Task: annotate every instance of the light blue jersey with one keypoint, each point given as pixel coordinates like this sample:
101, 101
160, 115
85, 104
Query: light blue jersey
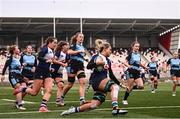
29, 60
134, 60
80, 56
174, 63
15, 65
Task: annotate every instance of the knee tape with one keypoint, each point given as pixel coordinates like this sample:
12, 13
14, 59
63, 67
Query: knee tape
81, 75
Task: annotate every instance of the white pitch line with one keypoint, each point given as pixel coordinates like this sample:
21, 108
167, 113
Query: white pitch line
28, 102
103, 109
9, 100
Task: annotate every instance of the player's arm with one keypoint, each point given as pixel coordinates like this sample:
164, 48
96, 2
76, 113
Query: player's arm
8, 62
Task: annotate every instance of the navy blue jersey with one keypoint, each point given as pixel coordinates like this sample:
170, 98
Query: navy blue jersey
174, 63
96, 68
79, 56
14, 65
61, 57
134, 59
45, 54
152, 66
101, 72
29, 60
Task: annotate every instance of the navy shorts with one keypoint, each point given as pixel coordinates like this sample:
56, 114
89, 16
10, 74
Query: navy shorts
28, 74
175, 73
153, 73
56, 75
71, 79
133, 73
41, 73
75, 66
96, 79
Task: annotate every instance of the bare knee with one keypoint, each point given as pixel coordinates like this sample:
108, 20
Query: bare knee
60, 84
114, 87
82, 83
34, 93
94, 105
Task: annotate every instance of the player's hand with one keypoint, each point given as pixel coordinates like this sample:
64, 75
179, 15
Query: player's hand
24, 64
64, 64
81, 51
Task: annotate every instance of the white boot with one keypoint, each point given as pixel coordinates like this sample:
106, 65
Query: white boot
69, 111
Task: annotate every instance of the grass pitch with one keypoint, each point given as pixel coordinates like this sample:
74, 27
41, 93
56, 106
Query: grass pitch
142, 104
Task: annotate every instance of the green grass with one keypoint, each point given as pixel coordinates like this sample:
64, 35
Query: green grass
142, 104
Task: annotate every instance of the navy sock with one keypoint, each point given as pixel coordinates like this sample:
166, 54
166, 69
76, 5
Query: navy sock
77, 109
126, 95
